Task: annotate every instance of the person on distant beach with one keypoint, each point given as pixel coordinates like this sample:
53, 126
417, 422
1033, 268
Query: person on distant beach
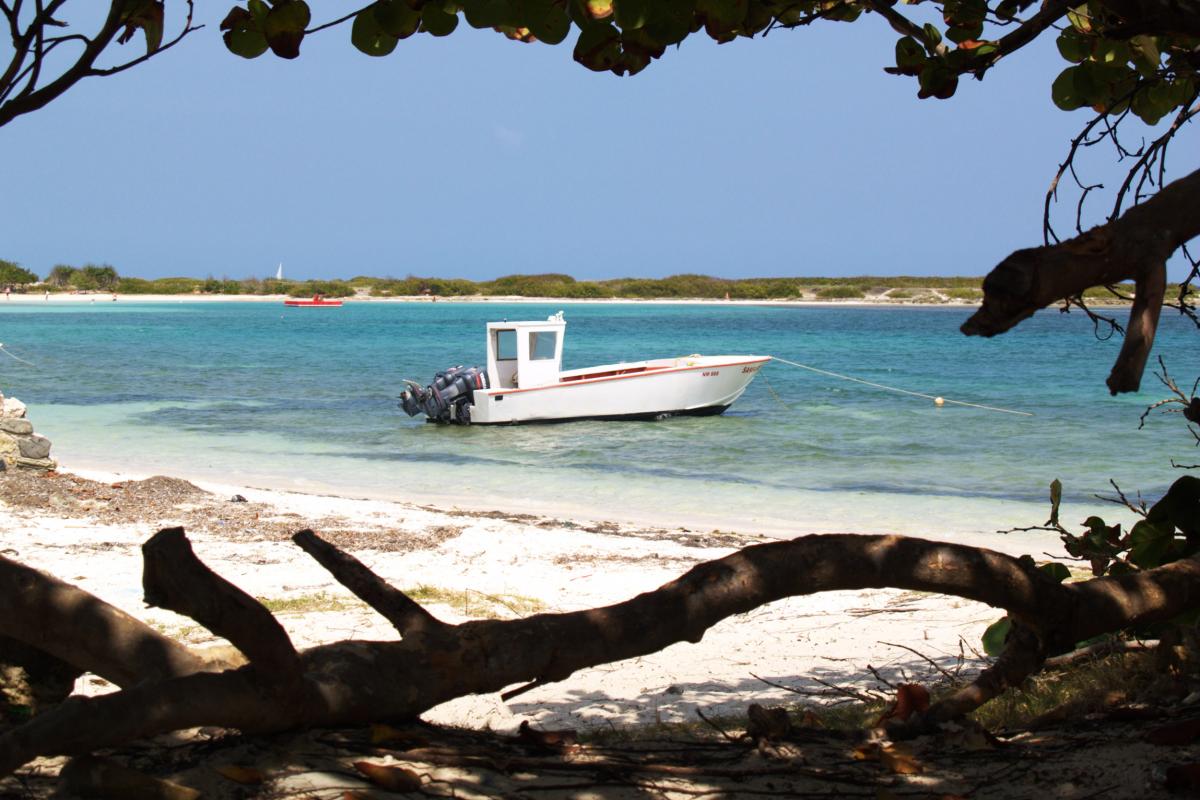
47, 295
8, 293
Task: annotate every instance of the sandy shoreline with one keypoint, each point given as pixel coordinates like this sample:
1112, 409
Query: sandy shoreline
465, 564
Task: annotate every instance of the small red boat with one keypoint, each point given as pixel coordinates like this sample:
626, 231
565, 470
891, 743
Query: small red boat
317, 300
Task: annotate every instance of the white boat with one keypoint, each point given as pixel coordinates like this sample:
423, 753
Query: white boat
524, 382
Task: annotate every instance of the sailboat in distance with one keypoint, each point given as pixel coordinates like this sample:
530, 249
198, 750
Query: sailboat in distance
279, 272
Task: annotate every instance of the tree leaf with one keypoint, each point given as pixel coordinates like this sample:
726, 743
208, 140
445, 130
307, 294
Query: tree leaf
1057, 572
396, 18
284, 27
369, 37
995, 636
436, 21
1150, 543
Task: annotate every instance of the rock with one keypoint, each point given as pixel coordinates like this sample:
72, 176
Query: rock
35, 463
10, 451
34, 446
22, 427
13, 408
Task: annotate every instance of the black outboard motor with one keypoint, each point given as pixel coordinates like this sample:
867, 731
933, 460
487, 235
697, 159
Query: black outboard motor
448, 398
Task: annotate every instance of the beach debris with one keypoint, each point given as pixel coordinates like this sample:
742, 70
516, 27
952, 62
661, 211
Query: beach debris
560, 740
237, 498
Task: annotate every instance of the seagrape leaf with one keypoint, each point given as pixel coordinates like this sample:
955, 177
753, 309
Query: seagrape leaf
1064, 92
937, 80
1150, 544
910, 56
396, 18
1073, 45
1180, 506
1079, 18
242, 35
489, 13
1056, 571
369, 37
147, 15
284, 27
631, 14
259, 10
598, 47
436, 21
721, 17
995, 636
546, 21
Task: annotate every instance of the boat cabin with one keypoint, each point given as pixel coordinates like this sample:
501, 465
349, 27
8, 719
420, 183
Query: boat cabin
525, 354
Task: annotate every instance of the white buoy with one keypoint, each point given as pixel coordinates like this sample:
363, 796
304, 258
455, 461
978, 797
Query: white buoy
937, 401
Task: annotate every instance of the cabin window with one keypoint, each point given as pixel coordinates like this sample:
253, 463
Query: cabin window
506, 345
542, 344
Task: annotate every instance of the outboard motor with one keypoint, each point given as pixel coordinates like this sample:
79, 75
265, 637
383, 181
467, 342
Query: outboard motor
448, 398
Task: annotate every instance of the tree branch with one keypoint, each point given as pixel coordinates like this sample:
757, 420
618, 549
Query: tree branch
1133, 247
80, 629
173, 578
405, 614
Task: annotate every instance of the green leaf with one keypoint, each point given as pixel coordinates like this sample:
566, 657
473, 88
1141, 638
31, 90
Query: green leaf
631, 14
1150, 544
553, 27
995, 636
1057, 572
284, 27
1079, 18
1073, 45
436, 21
937, 80
245, 43
910, 56
396, 18
598, 47
1180, 506
241, 34
932, 35
259, 10
369, 37
489, 13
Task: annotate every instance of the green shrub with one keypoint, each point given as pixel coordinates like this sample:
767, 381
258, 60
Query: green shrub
839, 292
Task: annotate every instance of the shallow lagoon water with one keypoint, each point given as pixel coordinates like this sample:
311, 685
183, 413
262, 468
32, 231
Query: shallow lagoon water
305, 399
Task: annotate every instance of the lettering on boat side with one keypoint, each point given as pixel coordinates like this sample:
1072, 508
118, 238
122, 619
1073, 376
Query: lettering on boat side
751, 369
710, 373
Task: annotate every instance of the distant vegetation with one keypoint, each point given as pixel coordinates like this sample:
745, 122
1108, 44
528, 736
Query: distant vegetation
104, 278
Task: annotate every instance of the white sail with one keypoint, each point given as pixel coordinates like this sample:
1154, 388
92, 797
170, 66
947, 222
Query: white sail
279, 272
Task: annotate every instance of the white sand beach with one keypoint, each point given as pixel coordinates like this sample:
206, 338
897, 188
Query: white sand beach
466, 564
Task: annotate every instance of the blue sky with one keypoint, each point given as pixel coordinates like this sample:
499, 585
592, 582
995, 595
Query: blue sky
472, 156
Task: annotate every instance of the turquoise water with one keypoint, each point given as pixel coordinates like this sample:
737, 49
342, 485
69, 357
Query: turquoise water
253, 394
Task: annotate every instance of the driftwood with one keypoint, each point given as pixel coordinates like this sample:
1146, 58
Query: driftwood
356, 682
1134, 247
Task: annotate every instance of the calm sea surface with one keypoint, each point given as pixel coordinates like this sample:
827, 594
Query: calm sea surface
305, 399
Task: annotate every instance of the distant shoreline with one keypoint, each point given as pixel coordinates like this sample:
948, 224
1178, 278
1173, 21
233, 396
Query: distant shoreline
107, 298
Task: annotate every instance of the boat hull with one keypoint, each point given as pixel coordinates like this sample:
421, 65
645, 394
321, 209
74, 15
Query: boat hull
692, 386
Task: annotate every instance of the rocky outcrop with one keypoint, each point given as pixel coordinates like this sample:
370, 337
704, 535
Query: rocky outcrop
20, 447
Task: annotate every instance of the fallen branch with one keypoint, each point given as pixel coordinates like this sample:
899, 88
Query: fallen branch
354, 682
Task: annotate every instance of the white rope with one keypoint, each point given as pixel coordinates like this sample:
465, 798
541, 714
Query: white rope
18, 358
901, 391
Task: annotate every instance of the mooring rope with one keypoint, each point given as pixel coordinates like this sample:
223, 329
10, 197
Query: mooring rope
938, 400
14, 355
